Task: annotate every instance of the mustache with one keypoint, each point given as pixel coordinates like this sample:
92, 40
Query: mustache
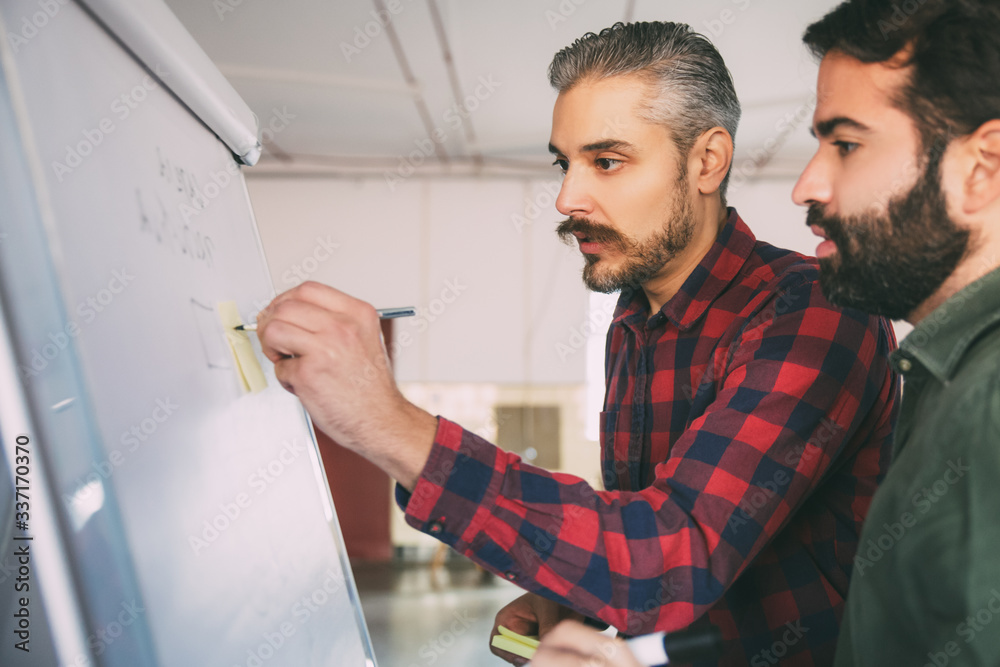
832, 225
595, 232
817, 217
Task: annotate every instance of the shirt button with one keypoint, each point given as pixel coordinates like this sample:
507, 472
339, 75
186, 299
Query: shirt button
905, 365
436, 528
511, 576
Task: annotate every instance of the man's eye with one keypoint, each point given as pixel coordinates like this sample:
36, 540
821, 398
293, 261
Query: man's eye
846, 147
562, 164
607, 163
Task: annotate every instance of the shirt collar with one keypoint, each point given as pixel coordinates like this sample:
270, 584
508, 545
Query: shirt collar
716, 270
941, 339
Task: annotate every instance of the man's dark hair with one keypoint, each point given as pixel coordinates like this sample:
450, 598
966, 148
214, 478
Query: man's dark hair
694, 90
953, 47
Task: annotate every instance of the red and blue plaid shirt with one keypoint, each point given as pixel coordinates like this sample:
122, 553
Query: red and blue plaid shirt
746, 427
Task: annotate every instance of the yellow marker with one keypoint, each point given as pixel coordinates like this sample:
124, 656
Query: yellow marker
510, 641
247, 367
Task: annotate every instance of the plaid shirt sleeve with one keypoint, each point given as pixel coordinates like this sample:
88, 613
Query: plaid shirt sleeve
797, 383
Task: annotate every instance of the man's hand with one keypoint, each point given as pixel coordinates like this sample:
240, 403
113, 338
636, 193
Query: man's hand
529, 615
327, 349
573, 644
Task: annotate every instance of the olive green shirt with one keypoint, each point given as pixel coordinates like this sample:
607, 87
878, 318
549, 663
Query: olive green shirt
926, 583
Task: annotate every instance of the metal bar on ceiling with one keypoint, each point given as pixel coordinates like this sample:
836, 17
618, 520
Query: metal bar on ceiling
404, 65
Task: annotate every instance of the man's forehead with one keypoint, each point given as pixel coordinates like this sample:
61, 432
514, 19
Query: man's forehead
598, 112
860, 92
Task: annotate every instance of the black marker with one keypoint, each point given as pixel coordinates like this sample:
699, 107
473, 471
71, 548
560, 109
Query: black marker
383, 313
661, 648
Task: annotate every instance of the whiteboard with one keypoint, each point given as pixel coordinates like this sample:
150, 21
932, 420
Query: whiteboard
183, 521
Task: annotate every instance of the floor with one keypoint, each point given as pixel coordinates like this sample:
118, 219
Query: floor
417, 619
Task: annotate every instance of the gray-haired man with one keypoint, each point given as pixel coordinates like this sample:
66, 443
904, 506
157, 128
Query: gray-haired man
747, 420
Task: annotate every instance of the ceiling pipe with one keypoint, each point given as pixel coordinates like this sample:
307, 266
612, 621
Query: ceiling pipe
456, 87
404, 65
316, 79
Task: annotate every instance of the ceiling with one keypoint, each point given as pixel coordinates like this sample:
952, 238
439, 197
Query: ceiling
338, 88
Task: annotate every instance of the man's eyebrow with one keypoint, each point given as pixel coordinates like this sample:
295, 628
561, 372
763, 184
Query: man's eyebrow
605, 145
825, 128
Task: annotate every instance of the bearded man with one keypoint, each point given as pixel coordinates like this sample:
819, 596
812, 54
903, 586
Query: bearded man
747, 421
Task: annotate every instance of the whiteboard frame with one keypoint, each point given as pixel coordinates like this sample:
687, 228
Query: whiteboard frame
158, 40
20, 414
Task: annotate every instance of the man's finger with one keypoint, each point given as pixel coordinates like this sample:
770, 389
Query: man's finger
285, 371
500, 653
571, 636
280, 340
507, 657
557, 657
518, 615
303, 314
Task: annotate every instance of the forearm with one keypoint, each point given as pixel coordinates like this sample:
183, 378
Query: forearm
555, 535
641, 561
404, 445
398, 443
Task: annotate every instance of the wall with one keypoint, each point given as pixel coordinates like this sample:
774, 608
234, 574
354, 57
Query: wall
496, 291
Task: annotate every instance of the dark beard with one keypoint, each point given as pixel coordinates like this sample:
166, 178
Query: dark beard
643, 259
888, 264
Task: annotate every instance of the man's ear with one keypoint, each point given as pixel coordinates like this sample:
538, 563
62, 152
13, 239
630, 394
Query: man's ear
711, 158
981, 187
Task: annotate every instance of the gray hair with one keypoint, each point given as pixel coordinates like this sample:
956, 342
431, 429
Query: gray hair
694, 89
